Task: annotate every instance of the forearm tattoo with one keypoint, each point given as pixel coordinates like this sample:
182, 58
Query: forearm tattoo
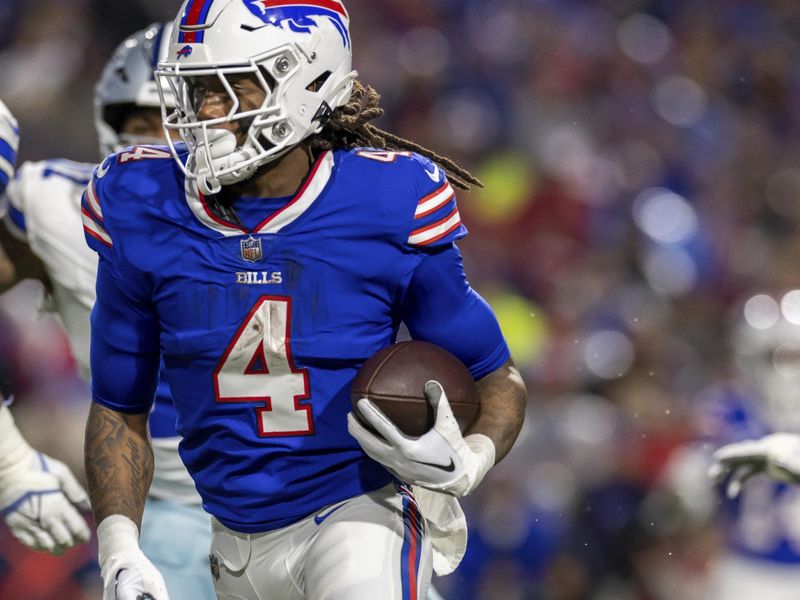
119, 463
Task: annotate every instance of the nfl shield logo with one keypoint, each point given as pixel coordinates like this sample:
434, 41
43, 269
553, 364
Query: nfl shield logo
251, 249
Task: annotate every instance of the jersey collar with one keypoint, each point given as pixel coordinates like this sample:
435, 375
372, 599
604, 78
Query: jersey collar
311, 190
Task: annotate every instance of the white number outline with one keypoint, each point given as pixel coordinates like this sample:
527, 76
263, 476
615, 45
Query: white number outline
276, 407
143, 153
384, 156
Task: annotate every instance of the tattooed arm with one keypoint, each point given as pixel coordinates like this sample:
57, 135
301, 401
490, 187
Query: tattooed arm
119, 463
119, 468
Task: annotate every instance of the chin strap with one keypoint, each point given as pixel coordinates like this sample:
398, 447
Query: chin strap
217, 152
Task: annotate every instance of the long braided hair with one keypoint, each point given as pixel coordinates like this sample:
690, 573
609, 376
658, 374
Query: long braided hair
349, 127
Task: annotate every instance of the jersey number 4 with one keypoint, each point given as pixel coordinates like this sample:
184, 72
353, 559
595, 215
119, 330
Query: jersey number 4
257, 367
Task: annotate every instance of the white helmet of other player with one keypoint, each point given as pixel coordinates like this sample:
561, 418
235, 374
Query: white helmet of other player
767, 349
299, 55
128, 82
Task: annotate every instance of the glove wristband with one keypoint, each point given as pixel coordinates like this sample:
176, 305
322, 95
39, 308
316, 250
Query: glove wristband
485, 452
15, 452
116, 534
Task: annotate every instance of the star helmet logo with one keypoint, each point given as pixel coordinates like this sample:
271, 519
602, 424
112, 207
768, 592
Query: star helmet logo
184, 52
301, 17
251, 249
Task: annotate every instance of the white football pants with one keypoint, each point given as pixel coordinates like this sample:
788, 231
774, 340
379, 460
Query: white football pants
175, 537
371, 547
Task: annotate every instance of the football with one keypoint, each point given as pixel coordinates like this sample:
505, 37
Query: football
394, 380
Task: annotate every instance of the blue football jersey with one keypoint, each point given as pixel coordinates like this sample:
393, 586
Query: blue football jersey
263, 326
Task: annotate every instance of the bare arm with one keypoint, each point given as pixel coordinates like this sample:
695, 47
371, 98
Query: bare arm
18, 262
119, 463
503, 399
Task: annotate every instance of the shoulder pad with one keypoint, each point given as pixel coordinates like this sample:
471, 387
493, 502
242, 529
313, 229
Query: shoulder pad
432, 213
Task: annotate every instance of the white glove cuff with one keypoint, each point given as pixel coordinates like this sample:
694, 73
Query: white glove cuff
15, 452
116, 535
485, 452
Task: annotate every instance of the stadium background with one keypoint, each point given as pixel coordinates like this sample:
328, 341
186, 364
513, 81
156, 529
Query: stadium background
642, 170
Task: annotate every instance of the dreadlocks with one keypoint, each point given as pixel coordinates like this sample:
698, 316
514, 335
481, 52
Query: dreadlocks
349, 127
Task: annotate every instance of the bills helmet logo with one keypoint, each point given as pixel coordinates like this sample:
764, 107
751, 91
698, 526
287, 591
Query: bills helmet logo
302, 16
184, 52
251, 249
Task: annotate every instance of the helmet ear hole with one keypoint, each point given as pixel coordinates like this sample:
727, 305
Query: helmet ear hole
317, 84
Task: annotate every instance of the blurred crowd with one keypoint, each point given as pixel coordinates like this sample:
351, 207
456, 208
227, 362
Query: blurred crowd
641, 162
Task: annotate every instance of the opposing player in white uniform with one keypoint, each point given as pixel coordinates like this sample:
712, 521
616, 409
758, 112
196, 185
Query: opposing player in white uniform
760, 555
44, 216
38, 494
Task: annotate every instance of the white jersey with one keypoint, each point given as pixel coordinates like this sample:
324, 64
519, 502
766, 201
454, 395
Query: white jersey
44, 210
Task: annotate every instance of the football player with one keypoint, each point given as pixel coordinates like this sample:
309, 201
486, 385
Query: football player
38, 494
762, 545
48, 243
266, 258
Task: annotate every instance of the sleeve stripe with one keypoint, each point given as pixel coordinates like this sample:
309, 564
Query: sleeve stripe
17, 217
8, 152
433, 202
12, 228
91, 227
91, 200
6, 167
436, 231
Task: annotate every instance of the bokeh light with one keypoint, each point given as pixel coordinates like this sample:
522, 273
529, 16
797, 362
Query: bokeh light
509, 181
665, 216
523, 323
670, 270
761, 311
644, 38
608, 354
679, 101
790, 306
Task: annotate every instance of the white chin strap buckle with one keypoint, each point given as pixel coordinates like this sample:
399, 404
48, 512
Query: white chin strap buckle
217, 152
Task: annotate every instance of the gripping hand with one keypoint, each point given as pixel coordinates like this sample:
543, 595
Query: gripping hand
38, 494
440, 460
38, 502
126, 571
777, 456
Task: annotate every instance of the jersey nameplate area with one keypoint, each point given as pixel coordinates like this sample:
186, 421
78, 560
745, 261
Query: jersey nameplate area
258, 277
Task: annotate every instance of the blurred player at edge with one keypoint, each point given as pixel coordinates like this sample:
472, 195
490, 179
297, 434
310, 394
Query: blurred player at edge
38, 494
775, 455
48, 243
281, 248
760, 553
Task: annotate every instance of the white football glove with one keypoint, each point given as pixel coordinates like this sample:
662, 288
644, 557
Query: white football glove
777, 456
9, 141
126, 571
441, 459
38, 494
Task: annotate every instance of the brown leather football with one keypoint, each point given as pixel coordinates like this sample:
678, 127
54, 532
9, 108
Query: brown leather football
394, 380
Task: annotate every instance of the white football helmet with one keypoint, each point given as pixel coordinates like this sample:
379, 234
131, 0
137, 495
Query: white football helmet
128, 82
767, 351
299, 54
